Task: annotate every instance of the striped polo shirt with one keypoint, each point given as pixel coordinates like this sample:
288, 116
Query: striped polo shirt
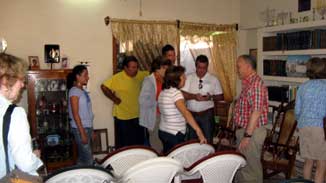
172, 121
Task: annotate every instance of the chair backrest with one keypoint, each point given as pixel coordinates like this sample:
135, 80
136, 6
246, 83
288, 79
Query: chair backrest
80, 175
156, 170
189, 152
218, 167
122, 159
100, 143
287, 127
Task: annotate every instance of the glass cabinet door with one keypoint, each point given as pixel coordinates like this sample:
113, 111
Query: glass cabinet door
48, 117
52, 121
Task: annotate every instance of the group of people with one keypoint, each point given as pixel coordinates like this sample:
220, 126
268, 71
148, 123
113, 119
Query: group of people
154, 108
166, 107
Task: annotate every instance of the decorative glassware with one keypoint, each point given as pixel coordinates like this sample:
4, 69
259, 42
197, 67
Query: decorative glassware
322, 12
281, 17
321, 8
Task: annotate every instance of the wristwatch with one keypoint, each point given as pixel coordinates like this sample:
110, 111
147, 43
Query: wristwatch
247, 135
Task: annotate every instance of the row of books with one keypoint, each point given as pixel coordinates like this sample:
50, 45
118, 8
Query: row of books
292, 92
310, 39
285, 93
274, 67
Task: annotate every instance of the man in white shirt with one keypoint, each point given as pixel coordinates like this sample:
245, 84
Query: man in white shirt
201, 90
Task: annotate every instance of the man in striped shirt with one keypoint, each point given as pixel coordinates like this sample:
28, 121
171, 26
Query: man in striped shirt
250, 116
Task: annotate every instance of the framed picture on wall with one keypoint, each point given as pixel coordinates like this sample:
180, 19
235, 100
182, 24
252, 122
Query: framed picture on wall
52, 53
304, 5
253, 53
34, 63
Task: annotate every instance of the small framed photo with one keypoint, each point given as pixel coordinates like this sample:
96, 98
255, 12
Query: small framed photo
64, 62
253, 53
34, 63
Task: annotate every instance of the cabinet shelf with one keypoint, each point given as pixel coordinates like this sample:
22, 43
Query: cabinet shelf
320, 24
295, 52
286, 79
282, 54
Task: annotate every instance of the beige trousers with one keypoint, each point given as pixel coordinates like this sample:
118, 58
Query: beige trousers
253, 171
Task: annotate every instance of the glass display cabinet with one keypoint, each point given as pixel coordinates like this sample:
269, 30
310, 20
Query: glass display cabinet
48, 117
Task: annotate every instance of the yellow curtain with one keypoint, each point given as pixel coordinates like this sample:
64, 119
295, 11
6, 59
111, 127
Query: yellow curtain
222, 41
224, 62
147, 37
201, 29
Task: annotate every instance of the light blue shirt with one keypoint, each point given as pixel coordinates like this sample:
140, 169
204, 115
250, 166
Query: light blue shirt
19, 142
310, 104
85, 108
148, 103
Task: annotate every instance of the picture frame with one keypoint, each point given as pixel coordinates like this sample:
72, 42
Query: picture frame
34, 62
304, 5
64, 62
52, 53
253, 53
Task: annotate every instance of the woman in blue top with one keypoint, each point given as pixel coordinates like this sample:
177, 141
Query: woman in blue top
81, 114
310, 109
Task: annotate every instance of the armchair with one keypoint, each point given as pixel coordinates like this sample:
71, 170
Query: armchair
218, 167
188, 153
80, 174
123, 158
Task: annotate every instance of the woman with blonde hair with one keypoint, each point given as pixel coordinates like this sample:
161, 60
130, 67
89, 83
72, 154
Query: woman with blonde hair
19, 148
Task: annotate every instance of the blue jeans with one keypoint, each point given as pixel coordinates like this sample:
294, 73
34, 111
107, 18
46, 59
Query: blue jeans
85, 155
169, 140
206, 123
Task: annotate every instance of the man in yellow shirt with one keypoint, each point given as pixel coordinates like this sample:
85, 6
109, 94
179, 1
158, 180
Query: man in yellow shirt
123, 89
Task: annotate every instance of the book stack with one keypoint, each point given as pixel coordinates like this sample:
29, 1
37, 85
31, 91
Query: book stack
270, 43
292, 93
300, 40
274, 67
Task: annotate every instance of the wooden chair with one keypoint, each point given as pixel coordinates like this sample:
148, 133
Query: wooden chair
280, 148
100, 142
226, 132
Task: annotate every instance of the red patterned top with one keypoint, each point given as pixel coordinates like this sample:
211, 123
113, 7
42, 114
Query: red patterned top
254, 96
159, 85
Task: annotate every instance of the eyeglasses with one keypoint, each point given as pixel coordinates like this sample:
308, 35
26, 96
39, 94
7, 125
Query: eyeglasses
200, 86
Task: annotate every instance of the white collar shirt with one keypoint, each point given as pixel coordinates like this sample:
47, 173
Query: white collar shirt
19, 142
209, 85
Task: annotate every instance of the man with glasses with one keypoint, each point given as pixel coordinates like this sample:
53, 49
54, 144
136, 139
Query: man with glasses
201, 90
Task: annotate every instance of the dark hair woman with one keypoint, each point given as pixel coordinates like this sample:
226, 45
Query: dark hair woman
174, 113
81, 114
149, 114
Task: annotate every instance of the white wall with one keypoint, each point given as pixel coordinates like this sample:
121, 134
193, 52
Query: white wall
78, 26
